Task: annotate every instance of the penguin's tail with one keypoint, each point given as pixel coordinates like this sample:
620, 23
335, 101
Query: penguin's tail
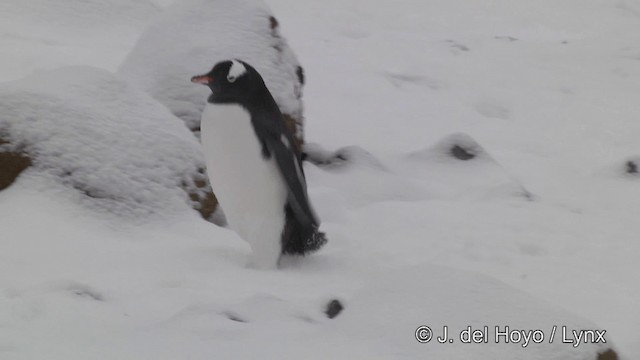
298, 239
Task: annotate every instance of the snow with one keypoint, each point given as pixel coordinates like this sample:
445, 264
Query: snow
164, 60
43, 34
93, 132
193, 297
538, 229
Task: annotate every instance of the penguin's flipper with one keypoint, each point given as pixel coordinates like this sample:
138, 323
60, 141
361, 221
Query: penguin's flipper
291, 170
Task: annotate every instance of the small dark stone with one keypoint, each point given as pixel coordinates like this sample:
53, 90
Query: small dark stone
607, 355
273, 22
300, 74
632, 167
461, 153
334, 308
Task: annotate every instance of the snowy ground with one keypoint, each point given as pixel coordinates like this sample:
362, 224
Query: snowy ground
548, 89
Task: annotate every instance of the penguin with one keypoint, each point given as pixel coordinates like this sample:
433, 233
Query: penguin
254, 167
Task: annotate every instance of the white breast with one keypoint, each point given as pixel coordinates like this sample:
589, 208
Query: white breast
249, 187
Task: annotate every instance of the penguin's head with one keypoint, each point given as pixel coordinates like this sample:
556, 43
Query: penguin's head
230, 81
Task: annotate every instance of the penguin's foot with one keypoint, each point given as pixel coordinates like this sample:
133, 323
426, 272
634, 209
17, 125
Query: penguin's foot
304, 245
317, 240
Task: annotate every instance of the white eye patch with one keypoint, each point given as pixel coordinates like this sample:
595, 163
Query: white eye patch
235, 71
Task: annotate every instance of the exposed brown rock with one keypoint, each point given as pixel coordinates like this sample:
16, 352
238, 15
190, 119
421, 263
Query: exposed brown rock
12, 164
294, 126
202, 198
273, 22
607, 355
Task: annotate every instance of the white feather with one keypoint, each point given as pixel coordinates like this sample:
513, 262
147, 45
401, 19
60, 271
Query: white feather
236, 69
249, 188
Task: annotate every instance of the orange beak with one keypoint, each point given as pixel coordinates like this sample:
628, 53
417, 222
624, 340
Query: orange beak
202, 79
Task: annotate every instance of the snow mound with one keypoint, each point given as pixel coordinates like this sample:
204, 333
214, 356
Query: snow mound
193, 35
45, 34
85, 128
352, 176
344, 157
457, 166
381, 318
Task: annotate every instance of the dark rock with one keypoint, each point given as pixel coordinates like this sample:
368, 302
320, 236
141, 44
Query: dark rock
452, 148
202, 198
294, 125
632, 167
609, 354
461, 153
12, 164
300, 73
273, 22
334, 308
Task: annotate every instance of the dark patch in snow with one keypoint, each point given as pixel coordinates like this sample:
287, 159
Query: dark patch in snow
334, 308
508, 38
527, 195
461, 153
234, 317
632, 167
457, 47
86, 292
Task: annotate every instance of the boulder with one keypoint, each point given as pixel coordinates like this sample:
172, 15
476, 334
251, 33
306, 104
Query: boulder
91, 132
192, 35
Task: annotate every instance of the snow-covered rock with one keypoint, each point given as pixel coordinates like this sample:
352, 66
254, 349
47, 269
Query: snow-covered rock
341, 158
457, 166
92, 132
193, 35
